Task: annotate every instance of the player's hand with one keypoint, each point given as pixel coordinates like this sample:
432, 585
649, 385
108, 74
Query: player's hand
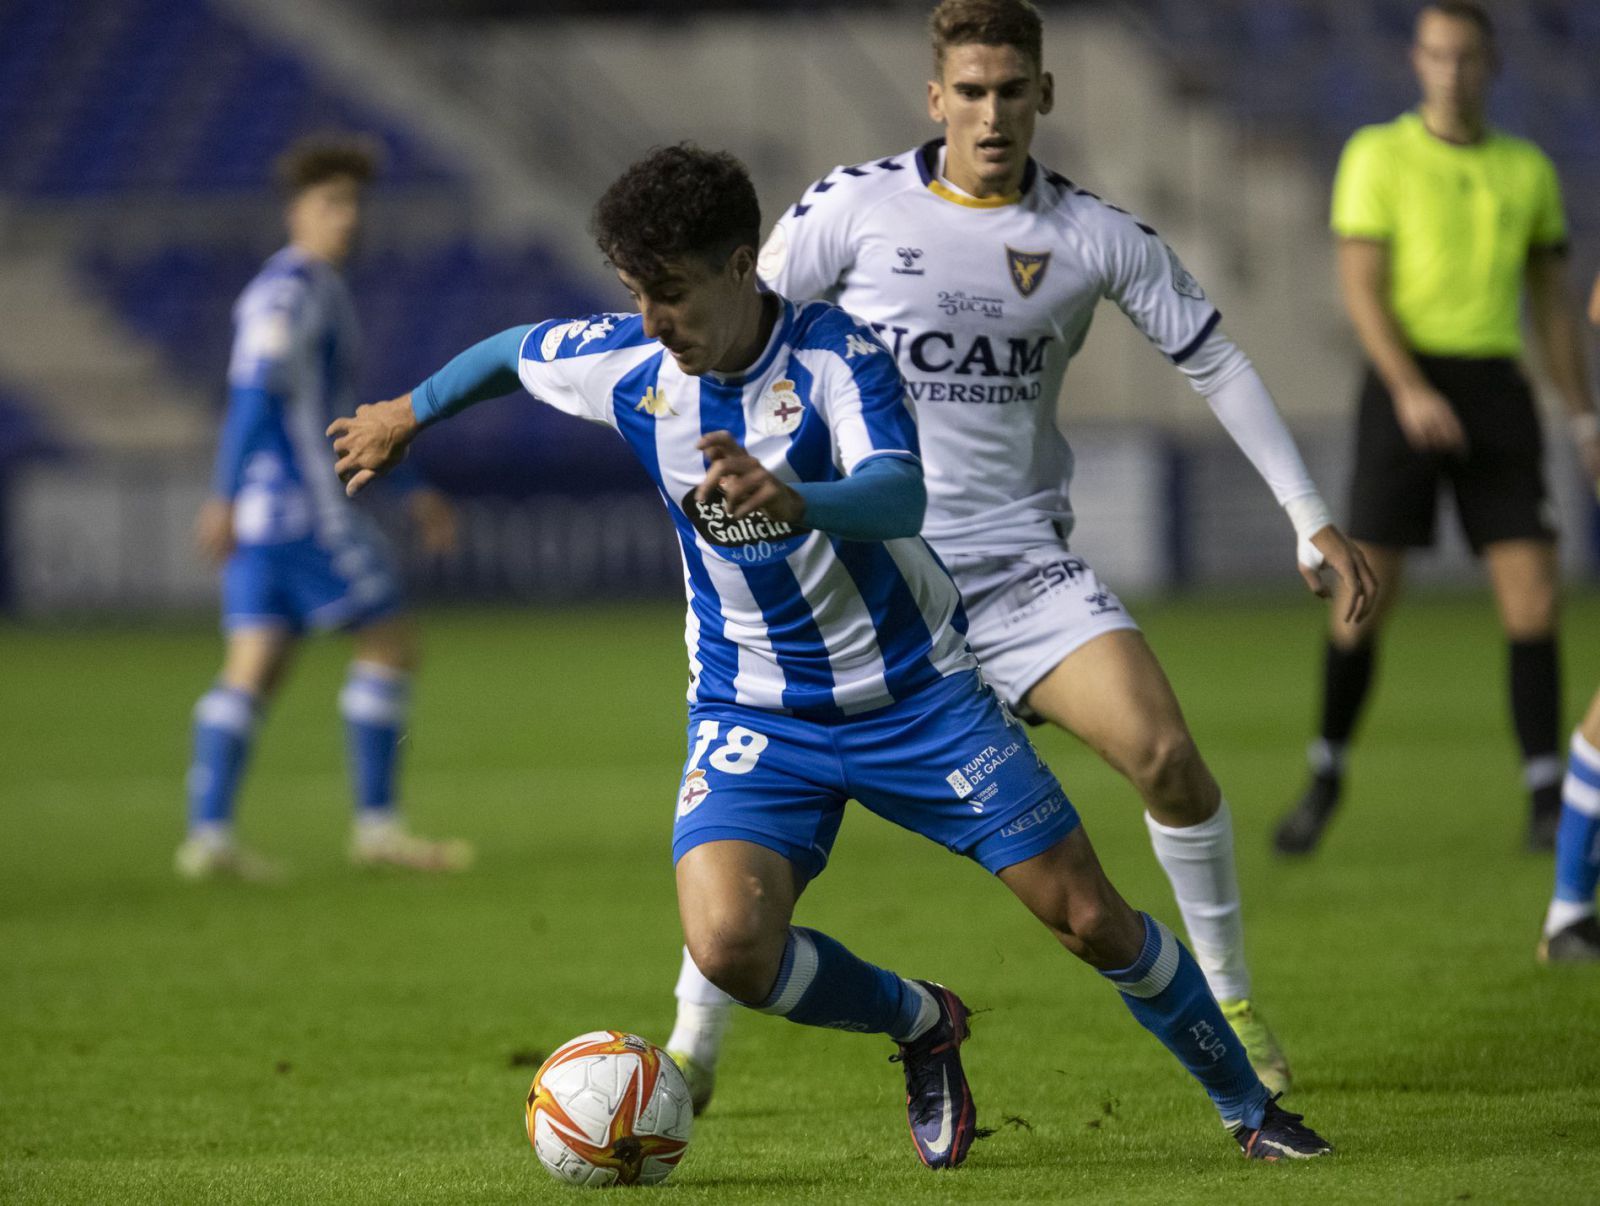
437, 524
372, 441
1337, 552
746, 483
213, 530
1429, 423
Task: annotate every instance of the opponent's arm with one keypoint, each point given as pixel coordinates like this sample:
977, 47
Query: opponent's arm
1427, 420
883, 499
1221, 371
1561, 345
375, 439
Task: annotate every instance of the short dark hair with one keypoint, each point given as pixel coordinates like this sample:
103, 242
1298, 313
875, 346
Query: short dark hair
323, 157
677, 201
1463, 10
1012, 23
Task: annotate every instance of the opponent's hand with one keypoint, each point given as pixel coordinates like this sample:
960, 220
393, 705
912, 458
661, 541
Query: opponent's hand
745, 482
1427, 420
373, 441
436, 521
213, 530
1335, 551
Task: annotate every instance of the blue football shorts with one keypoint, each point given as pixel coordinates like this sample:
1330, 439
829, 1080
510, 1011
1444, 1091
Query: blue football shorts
304, 584
949, 763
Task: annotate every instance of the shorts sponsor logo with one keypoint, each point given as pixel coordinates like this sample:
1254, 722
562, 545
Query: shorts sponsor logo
958, 781
1036, 816
754, 539
975, 773
1101, 602
960, 302
694, 790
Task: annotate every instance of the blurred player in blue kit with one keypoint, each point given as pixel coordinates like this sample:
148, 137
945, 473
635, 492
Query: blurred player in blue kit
982, 270
826, 644
296, 555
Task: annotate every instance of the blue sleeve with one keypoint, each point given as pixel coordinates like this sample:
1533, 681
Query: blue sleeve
249, 408
882, 500
485, 370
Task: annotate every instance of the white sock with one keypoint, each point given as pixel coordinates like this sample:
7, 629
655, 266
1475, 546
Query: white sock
1198, 861
1563, 913
1326, 757
704, 1011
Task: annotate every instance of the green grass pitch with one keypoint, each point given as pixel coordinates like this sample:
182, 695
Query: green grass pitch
356, 1038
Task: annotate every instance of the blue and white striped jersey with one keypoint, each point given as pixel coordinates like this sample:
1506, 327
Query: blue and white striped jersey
291, 373
778, 618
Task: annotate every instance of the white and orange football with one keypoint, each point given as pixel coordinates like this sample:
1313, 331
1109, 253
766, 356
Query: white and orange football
609, 1108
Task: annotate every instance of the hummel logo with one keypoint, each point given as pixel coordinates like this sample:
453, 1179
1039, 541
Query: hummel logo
860, 345
655, 404
940, 1143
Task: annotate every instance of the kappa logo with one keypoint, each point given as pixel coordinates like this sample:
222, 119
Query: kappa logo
693, 793
1027, 269
597, 330
781, 408
655, 404
908, 261
860, 345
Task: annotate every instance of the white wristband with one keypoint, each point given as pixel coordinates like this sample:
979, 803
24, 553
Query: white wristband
1585, 426
1309, 514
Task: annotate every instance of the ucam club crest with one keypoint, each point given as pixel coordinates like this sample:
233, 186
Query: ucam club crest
1027, 269
780, 410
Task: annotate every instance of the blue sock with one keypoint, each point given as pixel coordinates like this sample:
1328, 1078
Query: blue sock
224, 723
374, 703
822, 984
1165, 990
1578, 836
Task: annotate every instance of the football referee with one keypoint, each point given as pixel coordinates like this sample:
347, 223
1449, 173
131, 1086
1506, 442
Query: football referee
1442, 222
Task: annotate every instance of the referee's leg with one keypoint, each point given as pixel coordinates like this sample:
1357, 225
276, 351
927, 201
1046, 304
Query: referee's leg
1525, 578
1346, 681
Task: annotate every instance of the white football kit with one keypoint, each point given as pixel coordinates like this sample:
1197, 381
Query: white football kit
983, 302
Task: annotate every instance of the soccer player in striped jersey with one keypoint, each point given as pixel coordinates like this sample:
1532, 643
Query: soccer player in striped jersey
981, 270
296, 555
826, 651
1571, 930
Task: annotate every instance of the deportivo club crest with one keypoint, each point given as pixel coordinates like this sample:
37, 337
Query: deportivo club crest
780, 408
1027, 269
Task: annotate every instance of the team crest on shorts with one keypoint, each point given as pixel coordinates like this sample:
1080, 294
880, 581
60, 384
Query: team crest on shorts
694, 790
780, 409
1027, 269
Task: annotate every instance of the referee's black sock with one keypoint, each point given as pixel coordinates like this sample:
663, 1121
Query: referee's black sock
1346, 678
1536, 713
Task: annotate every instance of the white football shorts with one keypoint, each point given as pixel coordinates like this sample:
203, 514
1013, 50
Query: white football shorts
1027, 612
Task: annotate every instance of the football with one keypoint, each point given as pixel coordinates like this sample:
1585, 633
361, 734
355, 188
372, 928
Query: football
609, 1108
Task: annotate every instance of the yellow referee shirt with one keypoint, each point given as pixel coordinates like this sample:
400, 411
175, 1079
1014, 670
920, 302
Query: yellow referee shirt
1459, 221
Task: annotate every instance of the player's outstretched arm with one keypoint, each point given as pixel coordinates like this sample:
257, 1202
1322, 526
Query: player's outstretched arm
375, 440
372, 441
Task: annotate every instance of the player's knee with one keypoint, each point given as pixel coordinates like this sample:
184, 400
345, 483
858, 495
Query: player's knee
1169, 772
741, 959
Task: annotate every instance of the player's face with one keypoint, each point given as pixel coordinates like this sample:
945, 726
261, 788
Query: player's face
325, 218
987, 98
700, 313
1453, 62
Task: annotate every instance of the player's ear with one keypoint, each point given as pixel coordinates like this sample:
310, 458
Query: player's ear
742, 264
936, 101
1047, 92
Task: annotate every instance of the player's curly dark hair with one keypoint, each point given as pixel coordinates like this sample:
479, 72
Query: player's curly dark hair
1013, 23
677, 201
319, 158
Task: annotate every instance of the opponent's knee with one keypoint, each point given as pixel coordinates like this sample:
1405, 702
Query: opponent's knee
1169, 772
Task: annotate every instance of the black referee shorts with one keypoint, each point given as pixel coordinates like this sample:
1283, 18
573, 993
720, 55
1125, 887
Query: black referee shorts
1498, 483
